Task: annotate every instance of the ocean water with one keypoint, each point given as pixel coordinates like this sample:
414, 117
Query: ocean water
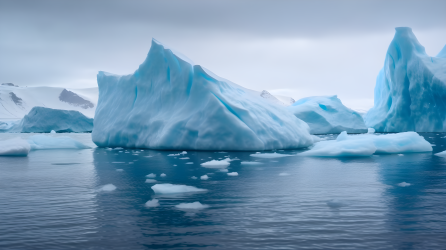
52, 199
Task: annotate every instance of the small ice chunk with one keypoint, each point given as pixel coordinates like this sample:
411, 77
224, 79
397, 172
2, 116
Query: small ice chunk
189, 163
52, 132
173, 154
119, 170
223, 170
233, 174
172, 189
163, 175
174, 165
284, 174
108, 188
184, 158
152, 175
404, 184
152, 203
250, 163
150, 181
183, 153
194, 205
370, 131
269, 155
216, 163
204, 177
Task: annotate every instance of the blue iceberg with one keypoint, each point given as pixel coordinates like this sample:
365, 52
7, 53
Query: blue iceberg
43, 120
327, 115
410, 90
171, 103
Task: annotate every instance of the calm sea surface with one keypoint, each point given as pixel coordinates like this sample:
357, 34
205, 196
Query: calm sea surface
52, 200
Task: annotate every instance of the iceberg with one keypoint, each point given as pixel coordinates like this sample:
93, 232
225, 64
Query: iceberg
14, 147
369, 144
410, 89
327, 115
170, 103
38, 142
45, 120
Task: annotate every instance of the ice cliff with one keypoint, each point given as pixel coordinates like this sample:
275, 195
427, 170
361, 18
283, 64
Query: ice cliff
410, 90
171, 103
327, 115
43, 120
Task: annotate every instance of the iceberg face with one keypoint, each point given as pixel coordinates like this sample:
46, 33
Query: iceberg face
327, 115
45, 120
369, 144
170, 103
411, 88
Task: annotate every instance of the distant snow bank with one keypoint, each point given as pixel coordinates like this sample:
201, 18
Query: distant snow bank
369, 144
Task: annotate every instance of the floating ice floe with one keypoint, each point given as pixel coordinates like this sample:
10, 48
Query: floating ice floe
152, 175
233, 174
152, 203
204, 177
442, 154
108, 188
163, 175
216, 163
14, 147
369, 144
270, 155
168, 188
194, 205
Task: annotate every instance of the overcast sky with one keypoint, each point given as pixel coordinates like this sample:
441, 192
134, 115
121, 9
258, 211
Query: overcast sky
295, 48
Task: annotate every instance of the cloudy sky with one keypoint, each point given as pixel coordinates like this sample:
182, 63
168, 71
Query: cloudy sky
295, 48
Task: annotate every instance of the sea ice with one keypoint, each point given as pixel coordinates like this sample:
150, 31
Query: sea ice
168, 188
49, 142
152, 203
216, 163
170, 103
233, 174
108, 188
327, 115
410, 89
369, 144
194, 205
269, 155
14, 147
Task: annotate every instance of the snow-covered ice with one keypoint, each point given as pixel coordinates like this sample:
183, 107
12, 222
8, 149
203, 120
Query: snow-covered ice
45, 120
168, 188
171, 103
233, 174
327, 115
410, 89
270, 155
216, 163
369, 144
108, 188
152, 203
14, 147
194, 205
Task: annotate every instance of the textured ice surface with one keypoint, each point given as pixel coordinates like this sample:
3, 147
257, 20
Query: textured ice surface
14, 147
60, 142
44, 120
327, 115
170, 103
369, 144
410, 89
193, 205
172, 189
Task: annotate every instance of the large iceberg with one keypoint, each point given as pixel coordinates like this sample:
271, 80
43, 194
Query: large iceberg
410, 90
171, 103
43, 120
369, 144
327, 115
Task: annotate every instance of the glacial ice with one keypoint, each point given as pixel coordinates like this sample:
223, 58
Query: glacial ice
369, 144
14, 147
45, 120
171, 103
327, 115
410, 89
60, 142
168, 188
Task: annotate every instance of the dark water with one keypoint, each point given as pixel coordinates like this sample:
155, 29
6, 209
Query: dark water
51, 200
